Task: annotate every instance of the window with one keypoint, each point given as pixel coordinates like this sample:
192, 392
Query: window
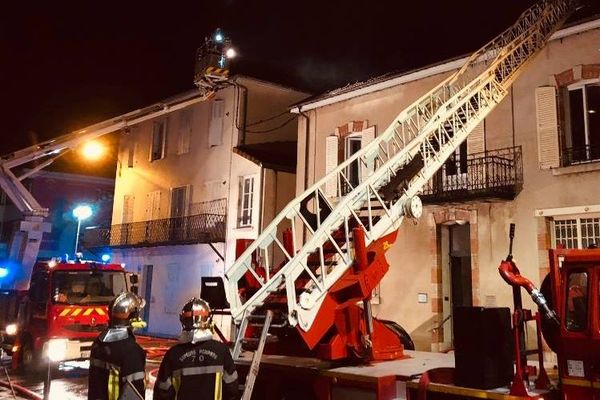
245, 201
157, 150
577, 233
215, 129
178, 201
577, 299
353, 145
581, 111
185, 131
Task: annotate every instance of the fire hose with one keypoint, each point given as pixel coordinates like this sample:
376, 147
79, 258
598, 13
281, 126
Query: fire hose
20, 390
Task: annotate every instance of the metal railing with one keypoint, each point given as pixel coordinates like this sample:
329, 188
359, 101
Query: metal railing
198, 228
580, 155
490, 174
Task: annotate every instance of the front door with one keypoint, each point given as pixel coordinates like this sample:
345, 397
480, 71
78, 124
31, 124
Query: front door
147, 277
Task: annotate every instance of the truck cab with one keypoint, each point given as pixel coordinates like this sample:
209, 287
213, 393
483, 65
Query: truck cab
66, 300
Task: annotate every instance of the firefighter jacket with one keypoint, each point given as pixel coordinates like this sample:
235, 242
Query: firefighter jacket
115, 359
203, 370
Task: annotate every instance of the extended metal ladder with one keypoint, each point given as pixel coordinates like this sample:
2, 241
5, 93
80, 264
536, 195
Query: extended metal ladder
400, 162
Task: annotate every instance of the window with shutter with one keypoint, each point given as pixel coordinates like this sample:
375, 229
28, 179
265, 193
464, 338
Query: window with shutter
128, 201
153, 205
159, 136
185, 131
581, 110
547, 127
331, 161
246, 200
215, 130
476, 139
367, 136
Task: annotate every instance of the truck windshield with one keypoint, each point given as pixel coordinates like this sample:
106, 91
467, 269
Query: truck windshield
87, 287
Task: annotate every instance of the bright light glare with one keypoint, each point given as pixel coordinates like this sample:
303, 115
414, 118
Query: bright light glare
218, 37
3, 272
93, 150
57, 349
82, 212
11, 329
105, 257
230, 53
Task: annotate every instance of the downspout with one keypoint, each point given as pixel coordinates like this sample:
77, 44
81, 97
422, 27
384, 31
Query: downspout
306, 155
242, 128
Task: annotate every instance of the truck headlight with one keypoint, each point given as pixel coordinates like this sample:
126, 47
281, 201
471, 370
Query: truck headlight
56, 349
11, 329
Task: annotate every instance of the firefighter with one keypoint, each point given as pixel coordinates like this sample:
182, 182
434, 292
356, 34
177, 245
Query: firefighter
115, 356
198, 367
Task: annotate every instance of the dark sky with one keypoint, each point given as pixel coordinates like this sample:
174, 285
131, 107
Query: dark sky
67, 64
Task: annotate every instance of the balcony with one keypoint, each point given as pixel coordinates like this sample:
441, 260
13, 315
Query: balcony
580, 155
496, 174
206, 225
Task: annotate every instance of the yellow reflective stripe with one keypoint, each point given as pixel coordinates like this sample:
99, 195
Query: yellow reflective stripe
100, 311
218, 383
64, 312
176, 382
576, 382
76, 312
113, 384
88, 312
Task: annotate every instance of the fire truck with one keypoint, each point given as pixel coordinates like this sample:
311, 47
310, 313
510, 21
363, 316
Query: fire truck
66, 302
301, 291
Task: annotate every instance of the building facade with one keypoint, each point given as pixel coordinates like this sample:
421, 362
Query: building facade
533, 162
61, 192
190, 186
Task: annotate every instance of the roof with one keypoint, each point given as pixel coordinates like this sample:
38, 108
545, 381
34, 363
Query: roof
279, 156
397, 78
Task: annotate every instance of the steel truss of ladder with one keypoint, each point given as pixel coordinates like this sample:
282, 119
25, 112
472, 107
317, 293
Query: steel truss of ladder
405, 156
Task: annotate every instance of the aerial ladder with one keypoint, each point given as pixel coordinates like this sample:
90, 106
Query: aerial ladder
211, 73
317, 285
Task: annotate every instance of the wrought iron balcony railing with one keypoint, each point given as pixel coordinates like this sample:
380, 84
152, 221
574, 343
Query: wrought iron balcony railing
199, 228
490, 174
580, 155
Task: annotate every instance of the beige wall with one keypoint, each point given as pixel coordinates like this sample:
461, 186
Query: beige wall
415, 262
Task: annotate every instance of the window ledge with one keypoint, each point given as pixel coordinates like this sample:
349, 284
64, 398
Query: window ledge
576, 169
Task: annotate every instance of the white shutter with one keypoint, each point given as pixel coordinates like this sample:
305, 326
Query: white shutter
331, 161
153, 205
127, 216
367, 136
476, 139
215, 130
547, 127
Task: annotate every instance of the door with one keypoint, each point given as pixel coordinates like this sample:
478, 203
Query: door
147, 277
457, 288
178, 207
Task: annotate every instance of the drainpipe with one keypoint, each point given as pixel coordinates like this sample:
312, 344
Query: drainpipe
239, 87
306, 155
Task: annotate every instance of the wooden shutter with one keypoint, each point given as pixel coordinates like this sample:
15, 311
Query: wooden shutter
331, 161
128, 201
367, 136
547, 127
215, 130
476, 139
153, 205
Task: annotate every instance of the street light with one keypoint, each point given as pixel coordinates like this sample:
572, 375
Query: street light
81, 212
93, 150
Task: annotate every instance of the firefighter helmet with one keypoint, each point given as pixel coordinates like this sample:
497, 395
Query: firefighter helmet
195, 314
124, 310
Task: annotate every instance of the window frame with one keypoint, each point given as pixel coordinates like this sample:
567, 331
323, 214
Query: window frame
242, 221
578, 228
163, 140
565, 109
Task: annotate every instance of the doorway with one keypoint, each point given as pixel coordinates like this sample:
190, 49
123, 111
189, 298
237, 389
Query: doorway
147, 280
457, 289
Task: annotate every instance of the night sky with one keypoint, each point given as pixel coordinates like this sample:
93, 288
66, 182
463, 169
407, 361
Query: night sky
67, 64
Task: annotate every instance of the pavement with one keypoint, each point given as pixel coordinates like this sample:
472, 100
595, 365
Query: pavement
69, 379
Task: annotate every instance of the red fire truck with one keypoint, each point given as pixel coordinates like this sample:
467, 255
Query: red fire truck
67, 301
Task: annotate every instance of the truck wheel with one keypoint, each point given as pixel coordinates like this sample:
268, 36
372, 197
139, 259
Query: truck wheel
29, 358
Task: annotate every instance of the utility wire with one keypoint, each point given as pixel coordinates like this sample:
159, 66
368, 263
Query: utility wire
276, 127
268, 119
